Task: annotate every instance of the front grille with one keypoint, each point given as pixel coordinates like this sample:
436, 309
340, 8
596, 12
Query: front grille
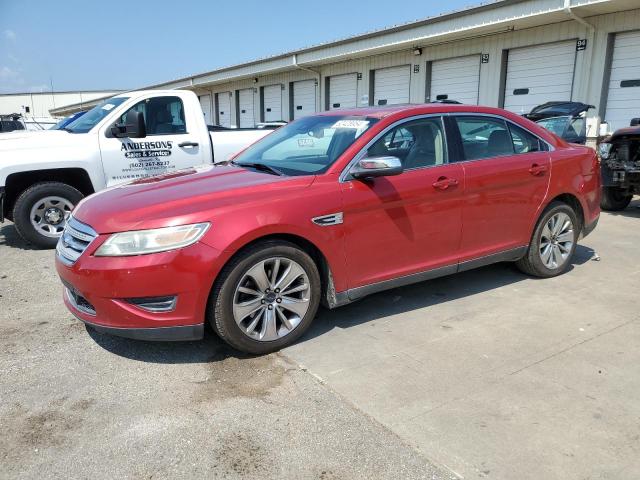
75, 239
79, 302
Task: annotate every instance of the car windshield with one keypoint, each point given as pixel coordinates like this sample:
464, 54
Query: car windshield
90, 119
555, 125
66, 121
307, 146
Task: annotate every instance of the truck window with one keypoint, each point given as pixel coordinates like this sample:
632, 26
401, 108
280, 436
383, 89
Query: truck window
162, 115
94, 116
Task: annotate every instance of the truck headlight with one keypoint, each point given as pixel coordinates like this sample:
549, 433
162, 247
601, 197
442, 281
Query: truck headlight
604, 149
140, 242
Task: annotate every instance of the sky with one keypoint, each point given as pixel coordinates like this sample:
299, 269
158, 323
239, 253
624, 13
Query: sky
90, 45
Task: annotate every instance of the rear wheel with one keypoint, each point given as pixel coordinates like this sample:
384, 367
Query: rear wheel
553, 242
41, 212
613, 199
265, 298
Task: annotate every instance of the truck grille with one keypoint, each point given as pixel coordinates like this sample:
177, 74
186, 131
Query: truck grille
75, 239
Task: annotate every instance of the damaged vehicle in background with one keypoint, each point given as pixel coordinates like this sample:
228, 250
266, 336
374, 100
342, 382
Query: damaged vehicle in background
620, 167
566, 119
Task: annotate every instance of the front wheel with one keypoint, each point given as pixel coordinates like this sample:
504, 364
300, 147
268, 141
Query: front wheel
553, 242
265, 298
41, 212
614, 199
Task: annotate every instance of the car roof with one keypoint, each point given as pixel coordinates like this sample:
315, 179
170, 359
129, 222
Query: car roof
413, 109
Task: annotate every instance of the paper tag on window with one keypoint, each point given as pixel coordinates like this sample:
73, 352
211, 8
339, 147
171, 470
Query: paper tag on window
355, 124
107, 107
305, 142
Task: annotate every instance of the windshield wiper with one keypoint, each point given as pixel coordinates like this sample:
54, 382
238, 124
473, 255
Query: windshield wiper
263, 167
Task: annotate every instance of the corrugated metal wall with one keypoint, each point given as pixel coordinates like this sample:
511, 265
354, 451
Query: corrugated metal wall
588, 79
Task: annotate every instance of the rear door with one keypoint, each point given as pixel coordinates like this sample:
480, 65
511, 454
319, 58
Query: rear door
343, 91
409, 223
623, 100
173, 142
304, 98
506, 171
223, 102
272, 103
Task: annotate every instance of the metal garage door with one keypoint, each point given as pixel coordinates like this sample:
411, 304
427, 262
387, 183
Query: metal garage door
391, 85
224, 108
272, 103
304, 98
539, 74
343, 91
456, 79
205, 103
623, 100
245, 108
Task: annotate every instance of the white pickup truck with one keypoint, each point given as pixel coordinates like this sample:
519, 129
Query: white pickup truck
43, 175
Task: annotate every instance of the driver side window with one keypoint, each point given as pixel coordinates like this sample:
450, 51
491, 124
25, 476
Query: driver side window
162, 115
417, 143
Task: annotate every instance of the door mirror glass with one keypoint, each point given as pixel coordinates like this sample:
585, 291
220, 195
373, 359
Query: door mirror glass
133, 126
370, 167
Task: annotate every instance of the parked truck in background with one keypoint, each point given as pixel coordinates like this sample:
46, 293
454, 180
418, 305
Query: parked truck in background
43, 175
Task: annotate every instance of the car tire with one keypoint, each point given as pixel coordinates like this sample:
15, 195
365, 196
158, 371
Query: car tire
56, 200
553, 242
614, 200
276, 327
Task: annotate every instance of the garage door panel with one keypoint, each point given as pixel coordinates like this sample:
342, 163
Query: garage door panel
245, 107
224, 109
544, 71
205, 104
391, 85
304, 98
623, 102
456, 79
343, 91
272, 103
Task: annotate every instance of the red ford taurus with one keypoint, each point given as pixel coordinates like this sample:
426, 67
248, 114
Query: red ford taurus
327, 209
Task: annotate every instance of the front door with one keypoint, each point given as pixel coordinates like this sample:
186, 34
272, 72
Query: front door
171, 143
506, 171
409, 223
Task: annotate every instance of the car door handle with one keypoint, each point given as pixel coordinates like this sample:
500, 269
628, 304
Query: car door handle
444, 182
188, 144
537, 170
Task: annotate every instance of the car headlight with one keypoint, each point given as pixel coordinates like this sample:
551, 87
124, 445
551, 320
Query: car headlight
140, 242
605, 150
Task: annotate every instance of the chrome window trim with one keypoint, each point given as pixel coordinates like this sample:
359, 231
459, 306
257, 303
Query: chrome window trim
344, 175
550, 147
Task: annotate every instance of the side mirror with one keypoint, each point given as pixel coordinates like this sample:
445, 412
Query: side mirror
634, 122
133, 126
370, 167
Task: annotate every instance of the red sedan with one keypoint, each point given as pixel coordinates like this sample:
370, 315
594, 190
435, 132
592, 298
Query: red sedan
327, 209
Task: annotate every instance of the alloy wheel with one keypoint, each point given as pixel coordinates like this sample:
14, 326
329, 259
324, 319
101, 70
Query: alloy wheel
271, 299
556, 242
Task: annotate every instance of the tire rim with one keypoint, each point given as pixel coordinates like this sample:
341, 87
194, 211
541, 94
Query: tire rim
49, 215
271, 299
556, 241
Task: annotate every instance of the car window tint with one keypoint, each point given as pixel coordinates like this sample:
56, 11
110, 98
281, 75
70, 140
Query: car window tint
484, 137
417, 143
523, 141
162, 115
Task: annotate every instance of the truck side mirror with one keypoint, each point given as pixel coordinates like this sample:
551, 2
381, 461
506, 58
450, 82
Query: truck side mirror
634, 122
133, 126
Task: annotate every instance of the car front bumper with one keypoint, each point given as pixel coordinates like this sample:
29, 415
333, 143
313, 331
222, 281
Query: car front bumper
120, 295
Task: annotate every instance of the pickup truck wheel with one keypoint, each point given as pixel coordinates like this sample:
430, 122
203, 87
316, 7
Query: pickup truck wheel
613, 199
41, 212
553, 242
265, 298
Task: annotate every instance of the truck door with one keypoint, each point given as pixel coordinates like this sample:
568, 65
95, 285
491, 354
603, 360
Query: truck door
172, 142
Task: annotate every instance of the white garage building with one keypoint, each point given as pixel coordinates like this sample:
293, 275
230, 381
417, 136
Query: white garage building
510, 53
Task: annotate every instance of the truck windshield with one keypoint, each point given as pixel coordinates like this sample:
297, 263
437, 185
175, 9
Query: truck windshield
307, 146
90, 119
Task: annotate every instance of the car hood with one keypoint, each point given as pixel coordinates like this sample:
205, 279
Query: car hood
26, 139
187, 196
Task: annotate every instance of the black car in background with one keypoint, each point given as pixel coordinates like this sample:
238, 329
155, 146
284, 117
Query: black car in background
565, 119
